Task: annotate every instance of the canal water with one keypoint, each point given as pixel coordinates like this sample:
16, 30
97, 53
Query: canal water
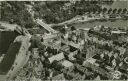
9, 58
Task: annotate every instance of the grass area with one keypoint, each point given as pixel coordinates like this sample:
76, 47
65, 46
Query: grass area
117, 23
118, 4
2, 77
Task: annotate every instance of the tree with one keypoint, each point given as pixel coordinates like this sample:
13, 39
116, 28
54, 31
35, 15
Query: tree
100, 10
51, 12
124, 10
104, 10
114, 11
110, 10
119, 11
16, 12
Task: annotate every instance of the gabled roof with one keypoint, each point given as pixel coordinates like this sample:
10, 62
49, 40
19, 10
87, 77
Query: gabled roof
57, 57
66, 63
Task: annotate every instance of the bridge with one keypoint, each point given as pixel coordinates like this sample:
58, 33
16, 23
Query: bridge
45, 26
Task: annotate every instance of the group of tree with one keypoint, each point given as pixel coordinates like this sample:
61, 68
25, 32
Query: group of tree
114, 11
16, 12
49, 11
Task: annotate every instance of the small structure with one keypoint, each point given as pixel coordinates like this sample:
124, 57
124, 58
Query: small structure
65, 48
35, 52
117, 75
126, 60
97, 78
72, 54
90, 60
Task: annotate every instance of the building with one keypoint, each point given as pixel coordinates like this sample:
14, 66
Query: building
67, 64
57, 57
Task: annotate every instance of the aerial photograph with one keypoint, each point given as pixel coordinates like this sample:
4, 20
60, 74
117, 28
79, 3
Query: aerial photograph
70, 40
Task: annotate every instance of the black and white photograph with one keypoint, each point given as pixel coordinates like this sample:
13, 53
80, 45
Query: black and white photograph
70, 40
